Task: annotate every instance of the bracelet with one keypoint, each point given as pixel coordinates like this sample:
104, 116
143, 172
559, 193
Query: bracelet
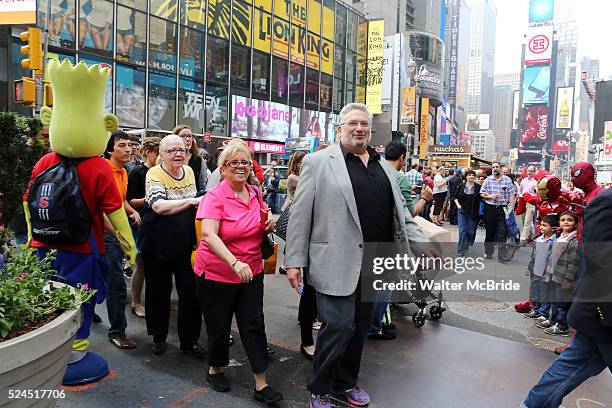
234, 264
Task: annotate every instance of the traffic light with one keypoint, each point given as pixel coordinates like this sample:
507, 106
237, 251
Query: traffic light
33, 50
25, 91
48, 94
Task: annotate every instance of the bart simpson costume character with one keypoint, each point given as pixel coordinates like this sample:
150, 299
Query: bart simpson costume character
79, 129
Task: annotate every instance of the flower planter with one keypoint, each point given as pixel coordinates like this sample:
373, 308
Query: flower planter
37, 361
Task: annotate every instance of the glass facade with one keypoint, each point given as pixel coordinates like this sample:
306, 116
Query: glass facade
187, 61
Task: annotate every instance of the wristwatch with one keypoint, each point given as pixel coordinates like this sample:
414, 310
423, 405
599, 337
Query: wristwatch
234, 264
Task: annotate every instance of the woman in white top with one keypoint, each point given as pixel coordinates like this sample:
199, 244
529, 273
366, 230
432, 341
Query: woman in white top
439, 193
100, 18
125, 32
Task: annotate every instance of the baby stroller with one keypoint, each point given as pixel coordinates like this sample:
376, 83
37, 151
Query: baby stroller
513, 236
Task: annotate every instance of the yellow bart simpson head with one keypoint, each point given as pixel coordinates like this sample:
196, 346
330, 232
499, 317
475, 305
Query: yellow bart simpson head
78, 126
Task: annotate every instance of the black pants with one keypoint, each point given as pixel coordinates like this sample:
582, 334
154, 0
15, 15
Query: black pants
307, 314
495, 225
346, 320
452, 212
158, 274
220, 301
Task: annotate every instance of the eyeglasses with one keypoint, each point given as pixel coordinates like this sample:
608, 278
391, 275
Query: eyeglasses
188, 136
354, 124
235, 163
175, 151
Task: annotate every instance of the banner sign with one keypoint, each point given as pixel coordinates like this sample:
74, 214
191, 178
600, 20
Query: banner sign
535, 125
607, 139
424, 129
450, 149
376, 39
388, 57
264, 147
539, 45
516, 107
536, 85
453, 50
408, 112
564, 107
18, 12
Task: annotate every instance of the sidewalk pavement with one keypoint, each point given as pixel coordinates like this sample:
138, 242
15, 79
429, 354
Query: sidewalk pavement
436, 366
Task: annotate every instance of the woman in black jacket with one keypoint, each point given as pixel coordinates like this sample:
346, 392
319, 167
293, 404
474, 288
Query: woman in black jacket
467, 198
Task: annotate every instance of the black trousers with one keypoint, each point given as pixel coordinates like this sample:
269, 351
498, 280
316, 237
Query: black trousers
307, 314
346, 320
495, 225
220, 301
158, 274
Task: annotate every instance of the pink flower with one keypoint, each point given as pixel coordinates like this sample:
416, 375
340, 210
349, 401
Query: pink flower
21, 276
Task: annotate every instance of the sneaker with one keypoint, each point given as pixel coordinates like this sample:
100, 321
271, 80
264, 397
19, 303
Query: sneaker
320, 401
355, 396
532, 314
544, 324
556, 330
268, 395
196, 350
218, 382
158, 348
541, 318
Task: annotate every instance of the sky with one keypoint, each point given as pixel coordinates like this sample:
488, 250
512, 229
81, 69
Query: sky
593, 20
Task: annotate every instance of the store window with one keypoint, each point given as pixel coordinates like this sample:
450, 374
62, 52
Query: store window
162, 45
339, 62
217, 54
325, 93
131, 36
338, 95
130, 96
261, 72
241, 61
105, 63
61, 22
216, 116
165, 9
137, 4
296, 83
351, 65
279, 79
96, 27
351, 31
312, 88
191, 52
190, 102
340, 25
219, 14
193, 13
162, 104
241, 23
350, 92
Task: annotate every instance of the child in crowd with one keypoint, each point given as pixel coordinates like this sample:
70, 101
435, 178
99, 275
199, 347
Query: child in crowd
561, 273
536, 269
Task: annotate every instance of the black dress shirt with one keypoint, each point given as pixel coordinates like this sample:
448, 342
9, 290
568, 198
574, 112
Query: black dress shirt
373, 195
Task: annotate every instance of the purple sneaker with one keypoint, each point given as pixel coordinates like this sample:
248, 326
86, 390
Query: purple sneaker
355, 397
320, 401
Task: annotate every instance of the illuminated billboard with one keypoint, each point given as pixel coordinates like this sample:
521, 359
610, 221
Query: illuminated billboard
18, 12
564, 107
477, 122
539, 45
535, 126
541, 11
536, 85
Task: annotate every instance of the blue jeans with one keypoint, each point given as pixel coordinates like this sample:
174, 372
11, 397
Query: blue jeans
535, 291
467, 230
116, 290
583, 359
380, 307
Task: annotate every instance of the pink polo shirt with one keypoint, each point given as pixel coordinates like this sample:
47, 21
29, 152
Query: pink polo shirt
239, 229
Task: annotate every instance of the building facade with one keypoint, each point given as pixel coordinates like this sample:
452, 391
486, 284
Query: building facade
482, 57
483, 144
261, 69
501, 117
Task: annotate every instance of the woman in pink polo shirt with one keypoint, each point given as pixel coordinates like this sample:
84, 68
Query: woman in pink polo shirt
230, 269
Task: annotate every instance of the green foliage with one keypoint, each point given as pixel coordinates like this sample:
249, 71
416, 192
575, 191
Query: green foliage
17, 158
282, 187
26, 297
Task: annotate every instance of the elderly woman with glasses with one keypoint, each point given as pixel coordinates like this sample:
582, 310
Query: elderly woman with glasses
230, 271
193, 157
167, 237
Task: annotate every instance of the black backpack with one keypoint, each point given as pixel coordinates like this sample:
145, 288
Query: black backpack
57, 210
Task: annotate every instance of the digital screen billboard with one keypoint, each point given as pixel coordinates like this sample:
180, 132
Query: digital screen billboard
541, 11
535, 126
477, 122
539, 45
536, 85
564, 107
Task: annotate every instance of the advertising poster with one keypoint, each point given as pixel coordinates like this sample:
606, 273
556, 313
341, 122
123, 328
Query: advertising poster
541, 11
408, 112
261, 120
376, 39
516, 108
535, 126
607, 139
539, 45
561, 144
477, 122
565, 107
536, 85
18, 12
424, 129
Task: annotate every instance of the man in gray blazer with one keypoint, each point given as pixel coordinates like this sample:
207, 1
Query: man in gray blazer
347, 197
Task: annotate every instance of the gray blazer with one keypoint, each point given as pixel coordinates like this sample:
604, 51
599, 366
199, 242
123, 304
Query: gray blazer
325, 235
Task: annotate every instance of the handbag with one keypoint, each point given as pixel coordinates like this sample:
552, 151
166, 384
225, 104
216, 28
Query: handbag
282, 223
267, 242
